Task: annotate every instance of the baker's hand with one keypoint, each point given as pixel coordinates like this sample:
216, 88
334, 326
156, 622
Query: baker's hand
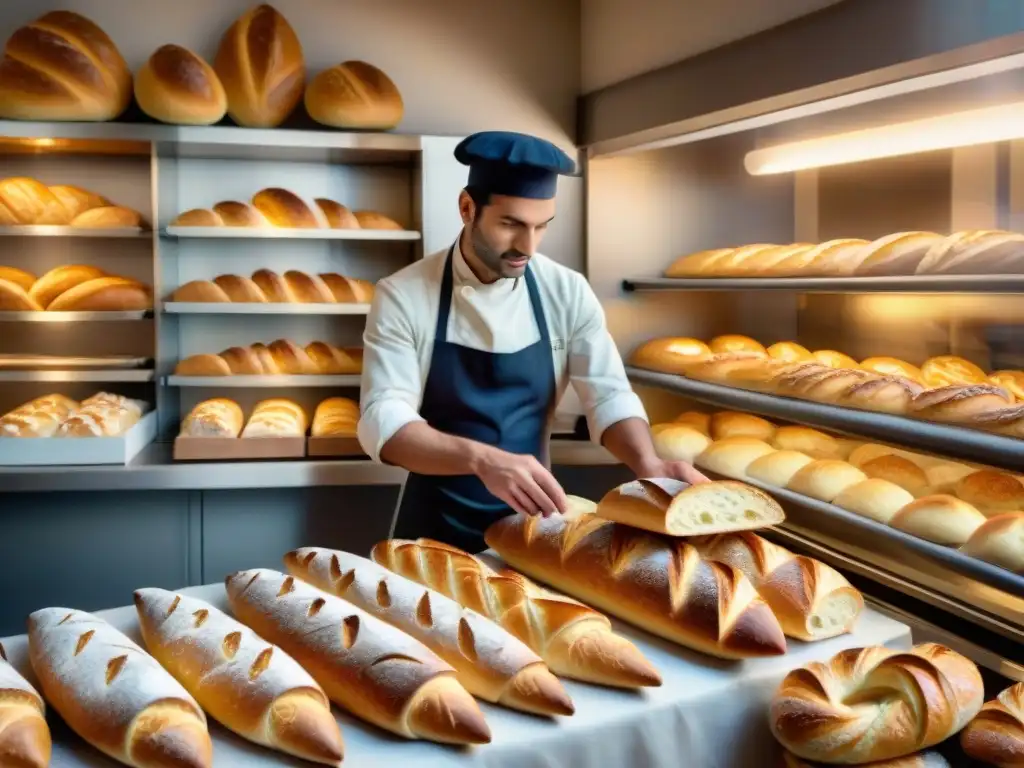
677, 470
522, 482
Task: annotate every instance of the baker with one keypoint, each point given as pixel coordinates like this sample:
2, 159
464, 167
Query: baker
468, 351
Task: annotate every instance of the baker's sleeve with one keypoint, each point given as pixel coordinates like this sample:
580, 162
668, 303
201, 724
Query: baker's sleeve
596, 371
392, 384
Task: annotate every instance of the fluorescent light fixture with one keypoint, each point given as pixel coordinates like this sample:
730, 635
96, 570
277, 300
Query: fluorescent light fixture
960, 129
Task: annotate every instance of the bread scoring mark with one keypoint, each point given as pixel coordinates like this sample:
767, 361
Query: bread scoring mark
395, 657
174, 605
114, 667
287, 586
308, 559
335, 568
315, 607
349, 631
383, 596
252, 581
200, 617
346, 581
231, 643
261, 663
424, 616
467, 642
65, 619
83, 640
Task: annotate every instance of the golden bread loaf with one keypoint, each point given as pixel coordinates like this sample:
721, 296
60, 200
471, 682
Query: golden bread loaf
177, 86
240, 289
197, 217
283, 208
235, 214
102, 415
218, 417
335, 417
896, 254
367, 667
731, 457
19, 277
991, 492
1011, 381
25, 740
281, 357
29, 201
261, 67
939, 518
41, 417
375, 220
691, 264
996, 734
789, 352
669, 355
898, 471
950, 370
243, 682
14, 298
63, 67
1000, 541
108, 217
77, 200
103, 294
874, 498
60, 279
679, 442
891, 366
354, 95
732, 343
276, 417
825, 479
776, 468
338, 216
695, 419
733, 424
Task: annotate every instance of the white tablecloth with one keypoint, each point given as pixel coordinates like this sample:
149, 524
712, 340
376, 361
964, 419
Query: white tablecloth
706, 714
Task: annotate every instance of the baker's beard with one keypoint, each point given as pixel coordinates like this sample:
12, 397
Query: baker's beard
496, 261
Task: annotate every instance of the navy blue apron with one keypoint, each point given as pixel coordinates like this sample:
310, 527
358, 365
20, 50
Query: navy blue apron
500, 399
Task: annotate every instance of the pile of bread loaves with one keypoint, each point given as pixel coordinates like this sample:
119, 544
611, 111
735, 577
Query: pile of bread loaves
265, 286
974, 508
968, 252
71, 288
62, 66
276, 207
279, 358
26, 201
102, 415
887, 708
276, 417
947, 389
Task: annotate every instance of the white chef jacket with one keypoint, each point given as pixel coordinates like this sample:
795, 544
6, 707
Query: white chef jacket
496, 317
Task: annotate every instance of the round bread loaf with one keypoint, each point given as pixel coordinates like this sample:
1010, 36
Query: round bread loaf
891, 366
815, 444
991, 492
732, 424
899, 471
695, 419
789, 352
731, 343
679, 442
197, 217
354, 94
176, 86
669, 354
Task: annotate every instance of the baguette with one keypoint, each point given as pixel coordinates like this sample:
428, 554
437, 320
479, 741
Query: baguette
489, 662
246, 684
573, 639
24, 735
959, 403
113, 694
692, 264
365, 666
218, 417
996, 734
658, 584
811, 600
675, 508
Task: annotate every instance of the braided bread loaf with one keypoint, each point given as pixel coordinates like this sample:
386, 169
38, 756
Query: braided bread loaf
659, 584
996, 734
573, 639
875, 703
265, 286
281, 357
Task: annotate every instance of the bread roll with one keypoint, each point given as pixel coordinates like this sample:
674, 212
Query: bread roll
875, 498
811, 600
944, 475
666, 354
246, 684
113, 694
14, 298
40, 417
886, 394
354, 94
375, 220
241, 290
286, 209
891, 366
102, 295
292, 359
959, 403
335, 416
202, 365
834, 359
218, 417
177, 86
308, 289
197, 217
235, 214
737, 369
678, 442
260, 64
868, 451
30, 201
991, 492
875, 703
732, 424
940, 519
999, 540
732, 456
816, 444
276, 417
332, 361
789, 352
348, 289
367, 667
60, 279
675, 508
897, 254
1011, 381
777, 468
731, 343
63, 67
898, 471
337, 215
274, 287
243, 361
996, 734
695, 419
24, 736
825, 479
489, 662
77, 200
949, 370
200, 291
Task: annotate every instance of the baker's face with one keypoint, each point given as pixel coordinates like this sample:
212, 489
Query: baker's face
507, 231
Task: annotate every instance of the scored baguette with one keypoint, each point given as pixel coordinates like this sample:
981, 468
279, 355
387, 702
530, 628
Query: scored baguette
24, 735
491, 663
659, 584
245, 683
365, 666
113, 694
573, 639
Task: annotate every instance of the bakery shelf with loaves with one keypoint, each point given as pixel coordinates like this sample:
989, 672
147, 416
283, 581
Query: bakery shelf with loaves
267, 292
28, 206
71, 288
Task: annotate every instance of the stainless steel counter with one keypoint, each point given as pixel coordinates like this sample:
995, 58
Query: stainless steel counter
155, 470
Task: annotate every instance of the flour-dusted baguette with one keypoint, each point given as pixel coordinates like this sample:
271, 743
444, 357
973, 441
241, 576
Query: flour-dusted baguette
675, 508
243, 682
367, 667
811, 600
491, 663
573, 639
24, 736
996, 734
659, 584
113, 694
102, 415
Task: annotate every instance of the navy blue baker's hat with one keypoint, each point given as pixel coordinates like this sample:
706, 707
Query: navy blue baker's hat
513, 164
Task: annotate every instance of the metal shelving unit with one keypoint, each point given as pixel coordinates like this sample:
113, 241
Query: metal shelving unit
120, 376
72, 317
275, 233
212, 308
1006, 284
59, 231
262, 382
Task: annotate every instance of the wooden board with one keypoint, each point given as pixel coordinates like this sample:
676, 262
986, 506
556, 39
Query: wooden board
188, 448
335, 446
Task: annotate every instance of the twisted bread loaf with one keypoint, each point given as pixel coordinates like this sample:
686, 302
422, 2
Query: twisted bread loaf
811, 600
115, 695
875, 703
659, 584
265, 286
573, 639
367, 667
491, 663
24, 735
281, 357
996, 734
243, 682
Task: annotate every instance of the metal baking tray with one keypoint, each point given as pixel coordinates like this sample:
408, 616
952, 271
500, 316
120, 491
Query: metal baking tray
56, 231
121, 376
9, 362
943, 439
250, 308
259, 382
284, 233
906, 284
70, 317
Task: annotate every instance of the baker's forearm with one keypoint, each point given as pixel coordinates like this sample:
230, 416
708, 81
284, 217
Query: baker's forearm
420, 448
629, 440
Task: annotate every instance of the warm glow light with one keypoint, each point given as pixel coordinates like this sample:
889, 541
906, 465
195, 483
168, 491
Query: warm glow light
961, 129
43, 142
